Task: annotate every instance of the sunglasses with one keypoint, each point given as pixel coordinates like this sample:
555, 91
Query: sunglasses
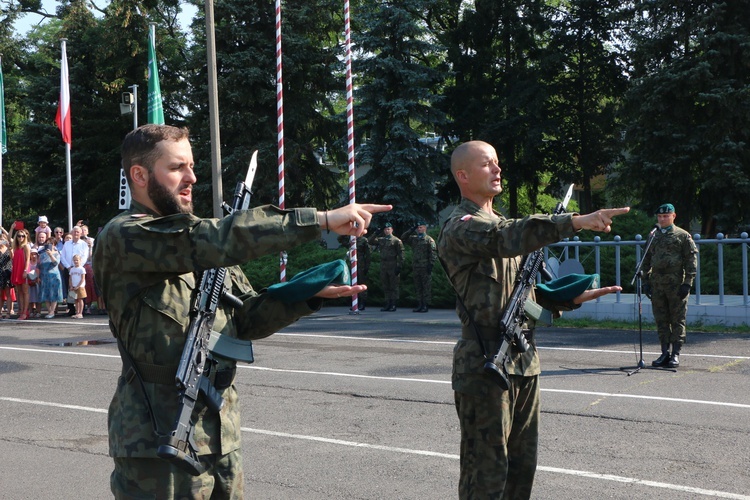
21, 236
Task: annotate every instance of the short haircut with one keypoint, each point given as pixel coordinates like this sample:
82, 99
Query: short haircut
139, 146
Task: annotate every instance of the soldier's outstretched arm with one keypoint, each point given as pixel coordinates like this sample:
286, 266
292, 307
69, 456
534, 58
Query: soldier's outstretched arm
601, 220
352, 219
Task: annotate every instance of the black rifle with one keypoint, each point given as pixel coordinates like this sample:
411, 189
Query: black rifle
515, 314
193, 377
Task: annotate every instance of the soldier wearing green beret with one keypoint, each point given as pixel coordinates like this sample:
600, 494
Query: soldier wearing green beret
482, 251
669, 269
146, 261
424, 254
391, 261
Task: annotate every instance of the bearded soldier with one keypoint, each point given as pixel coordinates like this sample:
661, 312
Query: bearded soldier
146, 260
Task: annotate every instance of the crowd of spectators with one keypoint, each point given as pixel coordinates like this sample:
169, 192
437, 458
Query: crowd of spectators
35, 270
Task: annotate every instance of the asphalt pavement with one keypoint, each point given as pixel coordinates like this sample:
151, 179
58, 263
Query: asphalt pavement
343, 406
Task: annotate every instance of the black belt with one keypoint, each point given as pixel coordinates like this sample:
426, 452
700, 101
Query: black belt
490, 334
165, 375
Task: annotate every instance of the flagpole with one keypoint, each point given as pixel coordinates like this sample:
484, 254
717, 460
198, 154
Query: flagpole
280, 128
3, 143
64, 113
350, 148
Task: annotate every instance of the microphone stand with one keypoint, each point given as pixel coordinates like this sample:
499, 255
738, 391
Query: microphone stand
638, 280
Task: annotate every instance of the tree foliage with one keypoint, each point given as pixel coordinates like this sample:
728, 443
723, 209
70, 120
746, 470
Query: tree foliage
651, 95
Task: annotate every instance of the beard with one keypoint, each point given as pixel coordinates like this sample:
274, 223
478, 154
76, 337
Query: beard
165, 202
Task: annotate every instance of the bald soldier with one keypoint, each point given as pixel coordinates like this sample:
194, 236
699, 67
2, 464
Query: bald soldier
482, 252
147, 261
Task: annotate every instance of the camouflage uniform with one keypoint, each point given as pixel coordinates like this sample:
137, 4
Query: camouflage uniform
363, 265
391, 261
145, 265
424, 254
670, 262
499, 429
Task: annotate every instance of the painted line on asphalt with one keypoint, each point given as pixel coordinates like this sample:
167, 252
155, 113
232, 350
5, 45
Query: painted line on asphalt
427, 453
409, 379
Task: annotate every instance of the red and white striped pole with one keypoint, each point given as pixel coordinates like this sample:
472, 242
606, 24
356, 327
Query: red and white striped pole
350, 147
280, 129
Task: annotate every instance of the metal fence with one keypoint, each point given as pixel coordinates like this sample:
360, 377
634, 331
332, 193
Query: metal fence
561, 255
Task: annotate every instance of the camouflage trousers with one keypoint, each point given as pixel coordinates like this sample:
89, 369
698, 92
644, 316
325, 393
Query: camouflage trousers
499, 441
389, 280
670, 311
422, 285
154, 478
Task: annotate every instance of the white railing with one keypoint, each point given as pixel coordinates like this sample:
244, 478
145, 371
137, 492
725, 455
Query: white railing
564, 248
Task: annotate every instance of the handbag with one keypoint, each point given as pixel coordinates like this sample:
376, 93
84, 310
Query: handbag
72, 296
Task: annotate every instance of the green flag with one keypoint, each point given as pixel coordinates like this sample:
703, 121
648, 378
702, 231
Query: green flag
3, 134
155, 109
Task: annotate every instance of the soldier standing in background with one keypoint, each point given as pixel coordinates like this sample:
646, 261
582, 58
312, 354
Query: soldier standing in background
424, 254
669, 269
391, 260
363, 265
481, 252
148, 261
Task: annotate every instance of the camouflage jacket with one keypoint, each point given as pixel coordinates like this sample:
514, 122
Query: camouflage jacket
482, 255
363, 252
391, 249
674, 253
145, 266
424, 250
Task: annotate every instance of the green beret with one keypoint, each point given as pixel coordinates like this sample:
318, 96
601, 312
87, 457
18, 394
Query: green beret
307, 283
667, 208
388, 224
568, 287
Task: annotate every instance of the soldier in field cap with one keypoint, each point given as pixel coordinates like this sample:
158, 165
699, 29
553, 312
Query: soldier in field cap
481, 251
669, 269
424, 255
147, 261
391, 260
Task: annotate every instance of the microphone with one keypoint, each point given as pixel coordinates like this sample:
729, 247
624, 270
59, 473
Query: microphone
656, 226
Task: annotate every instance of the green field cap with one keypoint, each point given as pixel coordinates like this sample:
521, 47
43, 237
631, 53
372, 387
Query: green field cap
568, 287
307, 283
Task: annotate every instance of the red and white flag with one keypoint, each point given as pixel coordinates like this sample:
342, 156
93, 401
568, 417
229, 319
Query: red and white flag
63, 109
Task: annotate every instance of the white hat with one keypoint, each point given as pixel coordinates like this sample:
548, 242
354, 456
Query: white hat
43, 218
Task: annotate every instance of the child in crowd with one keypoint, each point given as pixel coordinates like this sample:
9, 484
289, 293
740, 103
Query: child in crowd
42, 227
32, 277
77, 284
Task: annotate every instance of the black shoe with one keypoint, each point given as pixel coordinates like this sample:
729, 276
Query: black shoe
392, 308
674, 360
423, 309
661, 360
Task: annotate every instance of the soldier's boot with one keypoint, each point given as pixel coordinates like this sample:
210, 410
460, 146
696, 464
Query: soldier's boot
387, 306
664, 358
423, 309
392, 306
418, 308
361, 304
674, 360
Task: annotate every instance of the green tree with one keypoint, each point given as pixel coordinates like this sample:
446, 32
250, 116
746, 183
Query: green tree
397, 81
587, 84
312, 78
687, 111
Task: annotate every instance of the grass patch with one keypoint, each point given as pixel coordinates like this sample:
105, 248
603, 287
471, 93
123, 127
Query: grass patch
629, 325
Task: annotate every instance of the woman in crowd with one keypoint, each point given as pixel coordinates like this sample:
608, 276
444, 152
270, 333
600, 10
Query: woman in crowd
18, 276
7, 295
51, 290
